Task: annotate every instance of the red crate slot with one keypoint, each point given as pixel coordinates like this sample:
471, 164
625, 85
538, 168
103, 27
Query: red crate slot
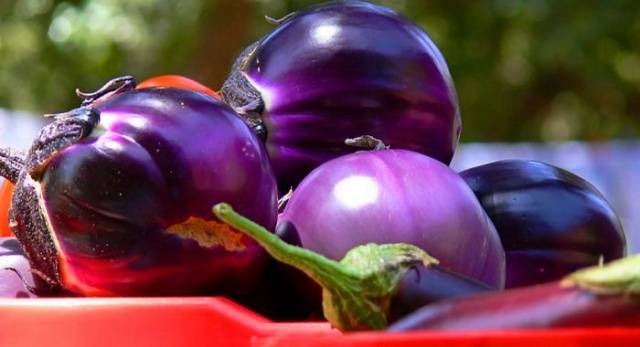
214, 321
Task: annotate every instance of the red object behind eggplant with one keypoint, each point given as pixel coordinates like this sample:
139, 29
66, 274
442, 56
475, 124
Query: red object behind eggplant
6, 191
177, 81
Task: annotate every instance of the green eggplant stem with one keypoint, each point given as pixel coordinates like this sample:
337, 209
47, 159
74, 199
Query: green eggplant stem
356, 290
323, 270
620, 277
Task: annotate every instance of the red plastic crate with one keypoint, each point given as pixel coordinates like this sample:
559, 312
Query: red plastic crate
213, 321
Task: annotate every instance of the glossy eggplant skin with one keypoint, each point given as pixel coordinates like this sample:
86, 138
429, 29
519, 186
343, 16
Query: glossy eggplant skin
341, 70
549, 305
121, 201
551, 222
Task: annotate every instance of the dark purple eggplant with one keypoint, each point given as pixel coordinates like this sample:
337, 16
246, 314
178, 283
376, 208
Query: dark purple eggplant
551, 222
110, 196
341, 70
372, 284
604, 296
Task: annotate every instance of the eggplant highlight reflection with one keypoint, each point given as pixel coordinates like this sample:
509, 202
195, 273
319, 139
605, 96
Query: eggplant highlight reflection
109, 196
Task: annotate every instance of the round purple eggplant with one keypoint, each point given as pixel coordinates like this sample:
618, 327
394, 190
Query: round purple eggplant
601, 296
395, 196
372, 285
114, 197
551, 222
341, 70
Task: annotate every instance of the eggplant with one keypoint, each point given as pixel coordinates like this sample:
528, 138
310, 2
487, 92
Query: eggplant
341, 70
600, 296
110, 195
372, 284
376, 196
395, 196
551, 222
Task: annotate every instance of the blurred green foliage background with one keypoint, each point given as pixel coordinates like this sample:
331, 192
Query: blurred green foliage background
537, 70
